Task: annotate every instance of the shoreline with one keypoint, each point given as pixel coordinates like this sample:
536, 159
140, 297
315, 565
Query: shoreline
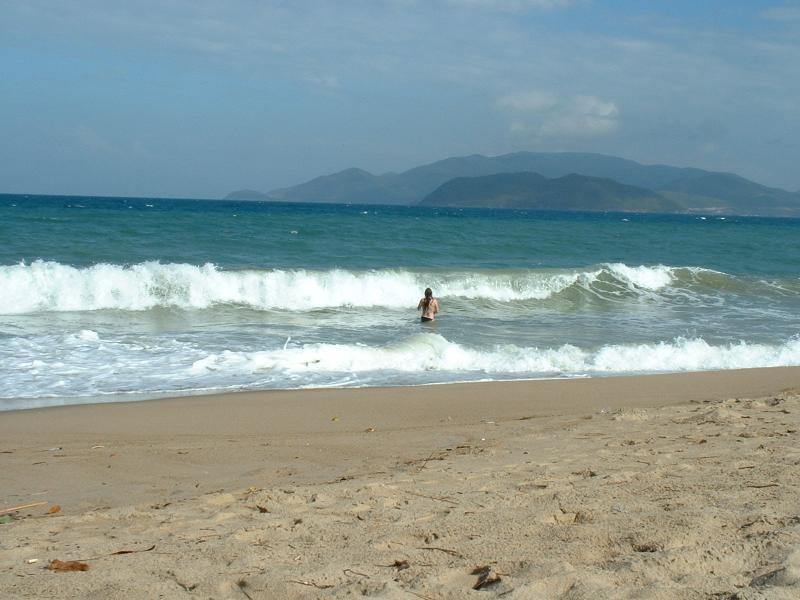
136, 397
171, 396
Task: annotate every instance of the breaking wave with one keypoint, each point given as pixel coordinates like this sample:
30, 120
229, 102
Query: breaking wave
44, 286
432, 352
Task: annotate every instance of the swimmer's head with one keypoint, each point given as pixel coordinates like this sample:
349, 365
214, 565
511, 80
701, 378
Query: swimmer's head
428, 292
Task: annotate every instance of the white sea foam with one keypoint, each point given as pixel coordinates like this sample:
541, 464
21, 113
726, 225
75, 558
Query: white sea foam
645, 277
432, 352
49, 286
88, 364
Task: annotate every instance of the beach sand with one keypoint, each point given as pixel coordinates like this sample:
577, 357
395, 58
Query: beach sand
662, 486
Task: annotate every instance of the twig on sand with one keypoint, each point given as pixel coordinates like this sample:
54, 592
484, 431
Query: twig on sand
445, 550
319, 586
425, 462
398, 564
118, 552
346, 571
153, 547
763, 485
353, 476
22, 507
752, 522
439, 498
339, 479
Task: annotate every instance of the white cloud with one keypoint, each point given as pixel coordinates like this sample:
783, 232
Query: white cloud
594, 106
539, 114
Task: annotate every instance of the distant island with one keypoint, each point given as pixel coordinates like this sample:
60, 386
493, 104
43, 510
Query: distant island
547, 181
534, 191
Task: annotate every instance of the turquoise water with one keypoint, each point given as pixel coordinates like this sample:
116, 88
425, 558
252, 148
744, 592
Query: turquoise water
108, 298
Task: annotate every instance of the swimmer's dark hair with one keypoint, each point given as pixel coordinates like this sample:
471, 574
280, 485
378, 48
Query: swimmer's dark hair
428, 297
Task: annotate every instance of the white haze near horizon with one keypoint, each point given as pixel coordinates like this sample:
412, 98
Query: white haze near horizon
190, 98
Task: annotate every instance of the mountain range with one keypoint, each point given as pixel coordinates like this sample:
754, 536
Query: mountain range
562, 181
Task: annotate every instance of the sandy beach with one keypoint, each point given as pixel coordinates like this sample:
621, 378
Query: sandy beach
662, 486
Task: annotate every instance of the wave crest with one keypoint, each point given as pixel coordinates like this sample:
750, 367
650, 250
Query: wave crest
50, 286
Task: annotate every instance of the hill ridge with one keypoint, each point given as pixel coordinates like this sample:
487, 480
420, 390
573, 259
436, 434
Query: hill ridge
528, 190
689, 189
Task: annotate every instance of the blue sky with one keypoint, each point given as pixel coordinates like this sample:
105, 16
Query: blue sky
196, 98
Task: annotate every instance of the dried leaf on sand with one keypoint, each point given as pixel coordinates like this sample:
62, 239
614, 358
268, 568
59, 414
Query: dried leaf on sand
63, 566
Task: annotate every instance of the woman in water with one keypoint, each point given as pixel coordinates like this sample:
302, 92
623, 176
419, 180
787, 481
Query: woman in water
429, 306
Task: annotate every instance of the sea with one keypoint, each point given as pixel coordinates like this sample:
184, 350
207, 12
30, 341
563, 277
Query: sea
110, 299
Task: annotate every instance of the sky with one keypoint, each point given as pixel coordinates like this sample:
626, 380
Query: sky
197, 98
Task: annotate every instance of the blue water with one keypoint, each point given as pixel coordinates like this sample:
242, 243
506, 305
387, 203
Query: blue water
108, 298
